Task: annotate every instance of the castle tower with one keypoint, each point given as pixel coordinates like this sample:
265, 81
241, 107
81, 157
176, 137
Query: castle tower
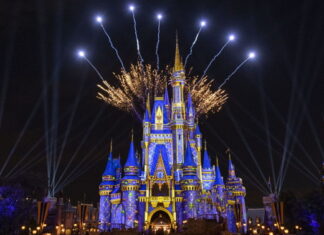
129, 186
171, 183
207, 171
191, 113
178, 112
236, 210
105, 188
218, 193
198, 137
190, 185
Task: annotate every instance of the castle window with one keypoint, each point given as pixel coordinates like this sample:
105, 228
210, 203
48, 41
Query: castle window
160, 189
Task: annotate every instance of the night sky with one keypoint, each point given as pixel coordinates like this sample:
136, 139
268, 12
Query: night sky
48, 94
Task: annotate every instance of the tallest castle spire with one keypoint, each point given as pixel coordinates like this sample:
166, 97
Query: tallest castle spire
178, 66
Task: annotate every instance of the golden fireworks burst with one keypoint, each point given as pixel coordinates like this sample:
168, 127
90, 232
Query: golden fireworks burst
134, 86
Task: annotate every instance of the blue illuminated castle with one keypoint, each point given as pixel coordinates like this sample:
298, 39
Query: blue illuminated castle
174, 183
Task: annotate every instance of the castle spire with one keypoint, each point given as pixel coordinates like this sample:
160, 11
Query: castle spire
231, 169
148, 106
131, 159
218, 178
178, 66
189, 161
206, 163
111, 146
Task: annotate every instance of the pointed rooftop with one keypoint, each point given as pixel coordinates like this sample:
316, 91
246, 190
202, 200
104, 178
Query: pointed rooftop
206, 162
190, 106
197, 130
110, 169
189, 161
178, 66
231, 169
166, 97
146, 116
131, 158
218, 177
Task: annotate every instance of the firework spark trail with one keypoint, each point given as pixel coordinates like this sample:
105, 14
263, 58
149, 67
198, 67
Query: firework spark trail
191, 47
214, 58
112, 46
94, 67
235, 70
157, 47
137, 40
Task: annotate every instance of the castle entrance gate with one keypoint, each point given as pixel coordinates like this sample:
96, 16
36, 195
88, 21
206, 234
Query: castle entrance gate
160, 221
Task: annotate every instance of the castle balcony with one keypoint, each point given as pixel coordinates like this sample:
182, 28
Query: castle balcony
155, 200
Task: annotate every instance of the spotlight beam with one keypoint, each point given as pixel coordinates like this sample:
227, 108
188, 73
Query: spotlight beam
83, 140
21, 134
65, 177
80, 168
263, 189
247, 146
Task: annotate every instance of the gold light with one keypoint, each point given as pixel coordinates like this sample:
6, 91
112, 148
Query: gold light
286, 231
134, 86
23, 227
38, 228
34, 231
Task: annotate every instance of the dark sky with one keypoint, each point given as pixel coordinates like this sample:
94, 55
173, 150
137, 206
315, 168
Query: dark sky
275, 109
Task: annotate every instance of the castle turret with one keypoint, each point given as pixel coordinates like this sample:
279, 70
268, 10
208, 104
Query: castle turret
130, 186
190, 185
207, 171
236, 210
146, 135
178, 112
191, 113
105, 188
167, 102
198, 137
218, 194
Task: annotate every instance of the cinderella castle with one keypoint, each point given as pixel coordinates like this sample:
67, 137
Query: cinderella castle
174, 183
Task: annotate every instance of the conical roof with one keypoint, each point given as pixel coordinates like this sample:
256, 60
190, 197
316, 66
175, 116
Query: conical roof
189, 161
206, 162
218, 178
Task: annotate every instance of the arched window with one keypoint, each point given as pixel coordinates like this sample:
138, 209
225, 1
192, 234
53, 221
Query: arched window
160, 189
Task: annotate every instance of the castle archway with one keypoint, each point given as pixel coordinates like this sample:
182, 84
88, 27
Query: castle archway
161, 221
